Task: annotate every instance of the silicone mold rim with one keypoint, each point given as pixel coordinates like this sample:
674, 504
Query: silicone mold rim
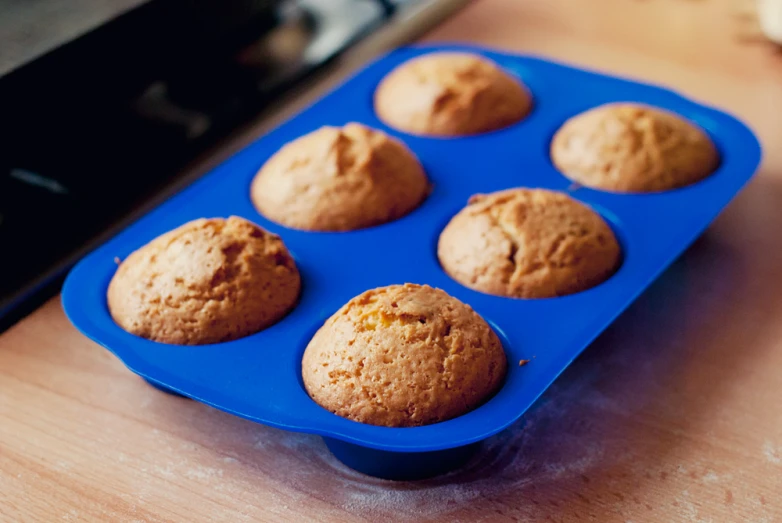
474, 426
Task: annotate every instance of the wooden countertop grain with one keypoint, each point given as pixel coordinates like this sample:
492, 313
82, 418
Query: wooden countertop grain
674, 414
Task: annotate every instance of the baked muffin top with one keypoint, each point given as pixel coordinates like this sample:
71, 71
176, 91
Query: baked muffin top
401, 356
626, 147
528, 243
450, 94
340, 179
208, 281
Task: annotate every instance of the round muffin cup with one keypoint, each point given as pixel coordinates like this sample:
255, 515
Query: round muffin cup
528, 243
633, 148
451, 95
340, 179
205, 282
402, 356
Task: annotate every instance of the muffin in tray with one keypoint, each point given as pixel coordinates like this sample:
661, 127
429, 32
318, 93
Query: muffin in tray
340, 179
528, 243
208, 281
627, 147
401, 356
450, 94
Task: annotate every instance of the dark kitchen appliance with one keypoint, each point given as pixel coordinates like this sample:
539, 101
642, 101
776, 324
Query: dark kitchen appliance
100, 125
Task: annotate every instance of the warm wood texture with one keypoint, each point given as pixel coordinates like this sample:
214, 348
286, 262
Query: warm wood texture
673, 415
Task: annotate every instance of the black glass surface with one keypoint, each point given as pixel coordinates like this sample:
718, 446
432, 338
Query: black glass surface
94, 128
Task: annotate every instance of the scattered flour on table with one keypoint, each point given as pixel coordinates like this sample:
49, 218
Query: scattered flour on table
168, 472
688, 510
711, 477
773, 454
546, 448
203, 473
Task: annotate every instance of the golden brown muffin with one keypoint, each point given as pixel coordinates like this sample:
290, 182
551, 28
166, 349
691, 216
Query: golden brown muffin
340, 179
528, 243
450, 94
401, 356
628, 147
208, 281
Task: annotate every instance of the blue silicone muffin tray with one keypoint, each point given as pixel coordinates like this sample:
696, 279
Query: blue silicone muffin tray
259, 377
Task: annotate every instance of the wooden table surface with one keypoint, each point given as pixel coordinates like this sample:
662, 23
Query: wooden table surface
675, 414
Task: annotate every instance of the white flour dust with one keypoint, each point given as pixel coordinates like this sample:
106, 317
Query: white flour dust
547, 448
773, 454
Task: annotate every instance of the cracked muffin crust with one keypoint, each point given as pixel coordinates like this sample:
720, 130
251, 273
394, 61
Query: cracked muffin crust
401, 356
340, 179
450, 94
528, 243
208, 281
633, 148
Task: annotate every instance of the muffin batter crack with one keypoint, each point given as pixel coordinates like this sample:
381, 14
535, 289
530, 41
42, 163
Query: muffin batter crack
208, 281
509, 234
528, 243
